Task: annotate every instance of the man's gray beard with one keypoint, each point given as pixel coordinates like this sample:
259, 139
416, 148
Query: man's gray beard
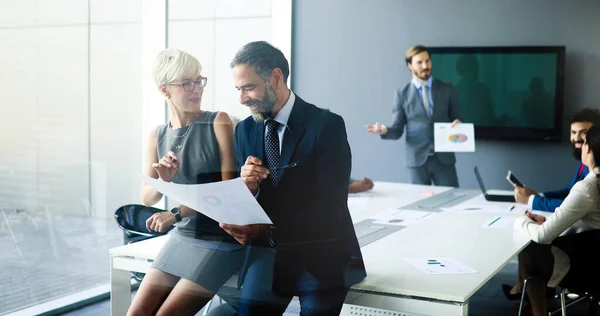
259, 116
263, 113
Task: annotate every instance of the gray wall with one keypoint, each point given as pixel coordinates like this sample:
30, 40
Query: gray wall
347, 56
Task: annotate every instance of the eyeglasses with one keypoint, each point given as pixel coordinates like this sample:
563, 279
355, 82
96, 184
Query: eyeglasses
191, 85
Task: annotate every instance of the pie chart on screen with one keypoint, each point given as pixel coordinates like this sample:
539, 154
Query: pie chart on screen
457, 138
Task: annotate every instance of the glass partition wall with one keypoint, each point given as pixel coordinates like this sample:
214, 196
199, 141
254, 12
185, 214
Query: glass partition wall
77, 102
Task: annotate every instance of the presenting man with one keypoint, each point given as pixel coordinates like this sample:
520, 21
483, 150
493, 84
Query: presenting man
549, 201
417, 106
295, 158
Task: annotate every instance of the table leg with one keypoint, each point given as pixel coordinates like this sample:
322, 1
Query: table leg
120, 290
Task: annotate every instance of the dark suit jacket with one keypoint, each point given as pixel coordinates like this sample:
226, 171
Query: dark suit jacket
409, 112
309, 207
553, 199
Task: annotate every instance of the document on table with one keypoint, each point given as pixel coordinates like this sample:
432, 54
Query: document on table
360, 194
505, 222
227, 201
485, 208
440, 266
399, 217
359, 200
460, 138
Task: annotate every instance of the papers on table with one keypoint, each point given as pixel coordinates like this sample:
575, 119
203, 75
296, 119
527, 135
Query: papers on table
440, 266
227, 201
460, 138
505, 222
400, 217
360, 194
360, 200
485, 208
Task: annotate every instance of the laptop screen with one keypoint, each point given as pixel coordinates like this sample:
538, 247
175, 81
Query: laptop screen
479, 180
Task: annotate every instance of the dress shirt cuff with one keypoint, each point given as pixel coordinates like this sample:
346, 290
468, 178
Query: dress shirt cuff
521, 223
530, 201
257, 193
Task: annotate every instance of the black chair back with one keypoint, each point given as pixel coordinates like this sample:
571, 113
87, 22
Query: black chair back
132, 218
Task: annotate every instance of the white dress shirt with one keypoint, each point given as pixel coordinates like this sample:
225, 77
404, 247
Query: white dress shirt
581, 207
282, 118
582, 203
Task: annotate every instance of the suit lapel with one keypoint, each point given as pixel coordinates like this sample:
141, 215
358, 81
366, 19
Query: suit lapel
437, 101
293, 133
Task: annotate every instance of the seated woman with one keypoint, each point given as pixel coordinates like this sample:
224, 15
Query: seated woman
195, 146
565, 259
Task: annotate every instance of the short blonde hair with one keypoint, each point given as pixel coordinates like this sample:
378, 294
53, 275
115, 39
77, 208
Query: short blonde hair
413, 51
174, 64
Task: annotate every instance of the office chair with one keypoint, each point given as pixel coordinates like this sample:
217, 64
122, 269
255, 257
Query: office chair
584, 275
131, 218
584, 280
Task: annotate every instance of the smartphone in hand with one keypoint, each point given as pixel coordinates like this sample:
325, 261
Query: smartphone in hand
513, 180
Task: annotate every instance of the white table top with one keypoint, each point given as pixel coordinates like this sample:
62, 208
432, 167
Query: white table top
445, 234
387, 195
146, 249
383, 196
456, 235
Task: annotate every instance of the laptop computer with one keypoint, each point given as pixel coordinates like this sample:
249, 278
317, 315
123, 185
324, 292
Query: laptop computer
490, 195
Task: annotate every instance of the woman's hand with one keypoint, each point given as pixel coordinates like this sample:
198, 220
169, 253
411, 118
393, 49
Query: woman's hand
539, 219
167, 167
160, 222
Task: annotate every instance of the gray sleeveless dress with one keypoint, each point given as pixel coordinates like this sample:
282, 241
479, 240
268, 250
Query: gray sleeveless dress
198, 249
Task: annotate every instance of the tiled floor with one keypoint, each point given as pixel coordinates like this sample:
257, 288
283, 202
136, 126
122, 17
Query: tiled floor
46, 256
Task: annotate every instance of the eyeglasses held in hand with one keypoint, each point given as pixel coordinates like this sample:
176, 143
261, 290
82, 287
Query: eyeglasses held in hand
288, 166
191, 85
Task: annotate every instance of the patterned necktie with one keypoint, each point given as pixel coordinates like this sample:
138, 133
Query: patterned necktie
426, 103
272, 149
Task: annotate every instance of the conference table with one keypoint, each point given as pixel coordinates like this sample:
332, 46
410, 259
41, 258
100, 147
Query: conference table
393, 285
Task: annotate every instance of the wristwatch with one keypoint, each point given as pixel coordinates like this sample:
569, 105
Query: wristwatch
175, 212
271, 235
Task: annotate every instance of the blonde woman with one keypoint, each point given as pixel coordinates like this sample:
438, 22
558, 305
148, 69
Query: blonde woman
195, 146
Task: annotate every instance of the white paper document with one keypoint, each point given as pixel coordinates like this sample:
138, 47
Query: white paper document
504, 222
483, 208
460, 138
227, 201
360, 194
400, 217
359, 200
440, 266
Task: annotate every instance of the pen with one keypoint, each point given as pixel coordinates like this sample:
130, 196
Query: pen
490, 224
512, 208
289, 165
